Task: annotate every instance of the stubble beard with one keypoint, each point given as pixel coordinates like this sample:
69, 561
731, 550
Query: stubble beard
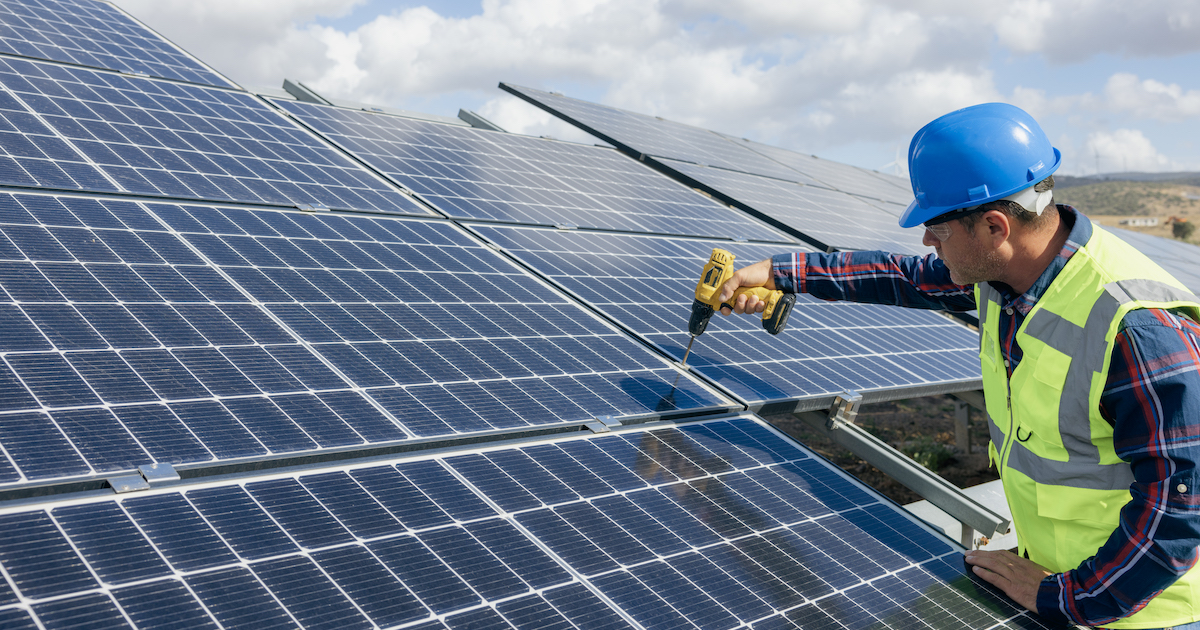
982, 266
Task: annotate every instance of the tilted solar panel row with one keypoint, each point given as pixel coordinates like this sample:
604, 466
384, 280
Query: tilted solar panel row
828, 174
647, 283
137, 333
834, 219
67, 128
791, 190
716, 525
653, 136
474, 174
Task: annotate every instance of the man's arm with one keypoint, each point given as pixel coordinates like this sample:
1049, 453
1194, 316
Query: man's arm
874, 277
1152, 397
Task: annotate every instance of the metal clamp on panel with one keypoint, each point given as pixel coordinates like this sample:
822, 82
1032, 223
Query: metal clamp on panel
128, 483
609, 421
603, 424
149, 476
844, 409
158, 473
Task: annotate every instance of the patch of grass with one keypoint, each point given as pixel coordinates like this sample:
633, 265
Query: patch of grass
928, 452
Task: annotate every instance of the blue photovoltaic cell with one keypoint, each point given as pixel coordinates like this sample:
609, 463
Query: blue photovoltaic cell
788, 539
76, 129
475, 174
655, 136
648, 285
834, 218
96, 34
173, 358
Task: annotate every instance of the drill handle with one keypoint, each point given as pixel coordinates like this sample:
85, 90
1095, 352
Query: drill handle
779, 306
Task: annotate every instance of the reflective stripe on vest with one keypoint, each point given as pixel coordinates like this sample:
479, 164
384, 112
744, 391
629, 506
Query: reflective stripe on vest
1087, 348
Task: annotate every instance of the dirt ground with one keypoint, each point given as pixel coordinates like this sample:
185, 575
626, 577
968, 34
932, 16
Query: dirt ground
923, 428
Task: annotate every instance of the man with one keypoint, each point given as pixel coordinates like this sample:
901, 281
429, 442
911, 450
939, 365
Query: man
1091, 369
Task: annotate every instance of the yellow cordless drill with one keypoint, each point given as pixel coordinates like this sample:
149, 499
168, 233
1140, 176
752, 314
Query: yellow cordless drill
715, 273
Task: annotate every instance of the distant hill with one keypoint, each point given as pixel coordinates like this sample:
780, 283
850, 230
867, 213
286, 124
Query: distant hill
1108, 200
1132, 198
1068, 181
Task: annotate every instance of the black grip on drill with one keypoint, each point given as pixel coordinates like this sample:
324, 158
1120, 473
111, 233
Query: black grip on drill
701, 313
778, 319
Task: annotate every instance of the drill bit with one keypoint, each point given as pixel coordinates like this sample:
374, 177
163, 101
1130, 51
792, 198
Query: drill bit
683, 363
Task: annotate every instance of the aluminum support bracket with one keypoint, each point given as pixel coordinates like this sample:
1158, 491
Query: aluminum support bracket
941, 493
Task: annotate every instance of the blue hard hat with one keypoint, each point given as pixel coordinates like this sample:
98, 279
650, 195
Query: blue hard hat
975, 155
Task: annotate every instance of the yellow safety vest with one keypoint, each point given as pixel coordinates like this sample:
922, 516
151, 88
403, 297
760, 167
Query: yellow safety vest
1062, 477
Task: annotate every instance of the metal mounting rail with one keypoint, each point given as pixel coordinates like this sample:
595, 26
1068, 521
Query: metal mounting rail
838, 425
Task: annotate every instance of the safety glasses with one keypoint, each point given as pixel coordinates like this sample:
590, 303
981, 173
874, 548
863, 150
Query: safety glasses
939, 226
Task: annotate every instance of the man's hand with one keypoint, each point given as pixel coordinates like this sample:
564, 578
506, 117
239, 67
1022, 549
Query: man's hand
756, 275
1017, 577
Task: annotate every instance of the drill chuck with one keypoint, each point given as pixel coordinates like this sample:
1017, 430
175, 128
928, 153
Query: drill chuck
701, 313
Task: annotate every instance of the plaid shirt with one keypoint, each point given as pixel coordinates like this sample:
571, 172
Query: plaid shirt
1152, 399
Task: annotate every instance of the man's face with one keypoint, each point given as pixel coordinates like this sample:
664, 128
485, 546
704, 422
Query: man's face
965, 255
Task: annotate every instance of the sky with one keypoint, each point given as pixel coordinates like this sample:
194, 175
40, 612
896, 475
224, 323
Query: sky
1114, 83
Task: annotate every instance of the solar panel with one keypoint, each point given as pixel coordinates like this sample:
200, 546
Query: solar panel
825, 203
137, 333
72, 129
832, 218
648, 284
96, 34
1179, 258
829, 174
475, 174
714, 525
647, 135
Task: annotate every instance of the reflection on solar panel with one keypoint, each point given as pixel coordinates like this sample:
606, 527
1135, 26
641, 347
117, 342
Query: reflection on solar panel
648, 284
96, 34
159, 333
167, 139
714, 525
475, 174
833, 218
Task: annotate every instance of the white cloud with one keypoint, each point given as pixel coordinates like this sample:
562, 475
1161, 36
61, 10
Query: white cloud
1150, 99
254, 42
789, 17
1123, 150
1068, 31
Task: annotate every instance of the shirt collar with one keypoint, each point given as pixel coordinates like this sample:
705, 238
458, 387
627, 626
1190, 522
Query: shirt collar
1081, 232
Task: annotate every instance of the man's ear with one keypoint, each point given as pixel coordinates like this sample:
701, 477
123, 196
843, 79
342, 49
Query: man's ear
998, 225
